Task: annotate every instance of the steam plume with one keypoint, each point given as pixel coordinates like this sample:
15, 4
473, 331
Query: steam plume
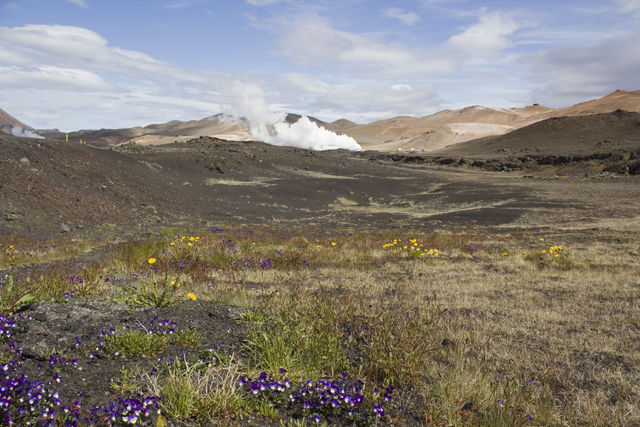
270, 127
18, 131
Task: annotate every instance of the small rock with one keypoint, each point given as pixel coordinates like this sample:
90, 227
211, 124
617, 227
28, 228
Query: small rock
65, 228
40, 317
25, 161
11, 217
29, 354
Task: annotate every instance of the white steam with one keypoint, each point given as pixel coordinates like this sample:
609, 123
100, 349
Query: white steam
270, 126
18, 131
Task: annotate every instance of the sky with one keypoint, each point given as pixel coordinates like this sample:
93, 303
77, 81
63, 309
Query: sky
91, 64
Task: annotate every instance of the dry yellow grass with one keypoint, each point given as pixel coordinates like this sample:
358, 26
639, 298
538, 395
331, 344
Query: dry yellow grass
560, 341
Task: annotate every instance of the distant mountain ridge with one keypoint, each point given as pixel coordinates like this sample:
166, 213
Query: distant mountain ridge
450, 127
429, 133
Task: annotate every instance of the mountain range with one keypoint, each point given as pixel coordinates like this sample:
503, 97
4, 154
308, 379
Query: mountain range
434, 132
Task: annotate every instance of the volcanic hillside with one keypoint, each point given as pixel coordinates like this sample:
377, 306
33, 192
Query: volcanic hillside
577, 135
455, 126
7, 122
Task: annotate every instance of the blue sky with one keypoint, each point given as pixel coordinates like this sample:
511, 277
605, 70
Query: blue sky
87, 64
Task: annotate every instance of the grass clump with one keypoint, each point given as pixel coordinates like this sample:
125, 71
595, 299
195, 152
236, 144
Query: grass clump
15, 296
299, 334
133, 254
201, 388
132, 342
158, 295
190, 338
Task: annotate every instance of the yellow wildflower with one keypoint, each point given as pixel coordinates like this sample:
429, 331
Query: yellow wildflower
192, 296
151, 260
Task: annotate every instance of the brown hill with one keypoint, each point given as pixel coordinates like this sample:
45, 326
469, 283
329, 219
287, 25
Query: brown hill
435, 131
575, 135
456, 126
160, 133
7, 122
214, 126
620, 99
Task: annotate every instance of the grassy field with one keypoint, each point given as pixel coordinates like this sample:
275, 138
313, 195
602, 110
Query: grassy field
350, 327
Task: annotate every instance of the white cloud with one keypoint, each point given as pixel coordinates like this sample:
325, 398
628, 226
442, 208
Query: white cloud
46, 77
306, 82
96, 84
314, 42
571, 74
80, 3
74, 47
488, 38
11, 7
399, 99
408, 18
630, 6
